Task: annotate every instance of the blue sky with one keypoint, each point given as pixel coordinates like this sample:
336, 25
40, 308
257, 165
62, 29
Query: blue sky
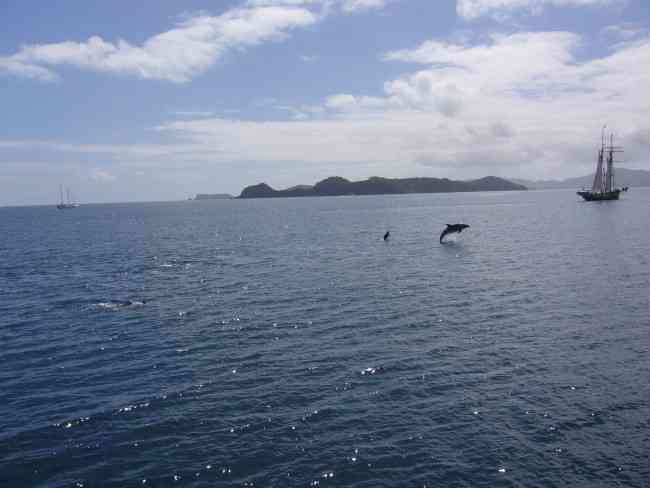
126, 101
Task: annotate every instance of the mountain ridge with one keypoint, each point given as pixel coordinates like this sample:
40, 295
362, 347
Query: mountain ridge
623, 176
375, 185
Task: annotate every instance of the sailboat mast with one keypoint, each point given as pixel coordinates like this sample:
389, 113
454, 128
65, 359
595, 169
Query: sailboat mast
609, 175
598, 183
612, 183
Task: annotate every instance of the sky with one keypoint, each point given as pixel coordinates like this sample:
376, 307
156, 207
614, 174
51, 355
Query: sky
160, 100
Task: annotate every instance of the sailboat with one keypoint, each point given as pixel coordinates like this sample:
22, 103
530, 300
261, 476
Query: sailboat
68, 202
603, 187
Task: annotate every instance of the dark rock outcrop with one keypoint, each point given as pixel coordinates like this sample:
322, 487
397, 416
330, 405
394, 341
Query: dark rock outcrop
261, 190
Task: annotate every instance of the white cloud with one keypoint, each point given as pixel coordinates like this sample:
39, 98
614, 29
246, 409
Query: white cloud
350, 103
26, 70
519, 105
355, 5
101, 176
187, 50
176, 55
472, 9
523, 61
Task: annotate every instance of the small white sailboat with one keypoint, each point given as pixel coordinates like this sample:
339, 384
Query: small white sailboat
68, 202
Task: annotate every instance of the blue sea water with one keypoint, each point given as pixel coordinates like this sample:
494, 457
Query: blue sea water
282, 343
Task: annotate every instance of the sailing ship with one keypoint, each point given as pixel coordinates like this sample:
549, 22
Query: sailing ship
68, 202
604, 187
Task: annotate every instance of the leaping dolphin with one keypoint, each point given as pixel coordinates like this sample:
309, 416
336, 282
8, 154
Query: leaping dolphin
451, 228
386, 235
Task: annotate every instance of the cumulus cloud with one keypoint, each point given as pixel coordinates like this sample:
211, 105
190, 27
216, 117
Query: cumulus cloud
522, 61
187, 50
25, 69
461, 112
176, 55
350, 103
472, 9
518, 105
458, 75
515, 105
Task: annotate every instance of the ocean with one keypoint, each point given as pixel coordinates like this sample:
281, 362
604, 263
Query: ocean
283, 343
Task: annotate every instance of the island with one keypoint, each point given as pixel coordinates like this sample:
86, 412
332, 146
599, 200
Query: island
212, 196
337, 186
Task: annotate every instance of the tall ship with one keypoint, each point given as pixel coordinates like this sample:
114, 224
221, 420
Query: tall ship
604, 187
68, 202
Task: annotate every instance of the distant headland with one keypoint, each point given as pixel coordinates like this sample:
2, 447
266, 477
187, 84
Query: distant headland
336, 186
624, 177
211, 196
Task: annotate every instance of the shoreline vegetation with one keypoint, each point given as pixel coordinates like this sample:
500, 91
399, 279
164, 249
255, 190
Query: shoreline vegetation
338, 186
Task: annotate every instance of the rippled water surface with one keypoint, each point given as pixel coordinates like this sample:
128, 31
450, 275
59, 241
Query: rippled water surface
282, 343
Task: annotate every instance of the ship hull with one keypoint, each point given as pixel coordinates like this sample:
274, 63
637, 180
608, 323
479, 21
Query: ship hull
591, 196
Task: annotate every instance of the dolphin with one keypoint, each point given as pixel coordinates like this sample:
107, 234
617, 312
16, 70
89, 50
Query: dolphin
386, 235
451, 228
121, 304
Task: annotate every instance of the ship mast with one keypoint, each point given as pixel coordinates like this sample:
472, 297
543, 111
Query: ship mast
597, 186
609, 175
